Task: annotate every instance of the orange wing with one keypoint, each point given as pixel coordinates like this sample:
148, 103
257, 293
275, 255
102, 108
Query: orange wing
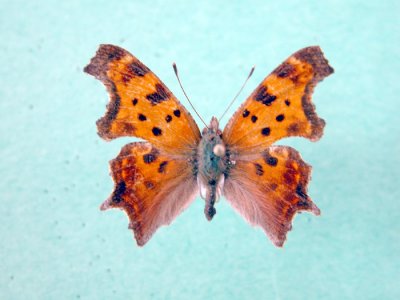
140, 105
150, 187
281, 105
267, 189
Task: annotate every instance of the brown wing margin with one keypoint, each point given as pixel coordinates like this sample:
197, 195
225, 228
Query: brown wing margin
98, 68
321, 69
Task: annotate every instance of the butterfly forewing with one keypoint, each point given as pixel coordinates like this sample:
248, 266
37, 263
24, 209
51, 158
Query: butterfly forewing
281, 105
140, 104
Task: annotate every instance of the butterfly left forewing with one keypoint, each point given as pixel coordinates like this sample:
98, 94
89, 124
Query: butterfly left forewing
140, 104
151, 187
269, 188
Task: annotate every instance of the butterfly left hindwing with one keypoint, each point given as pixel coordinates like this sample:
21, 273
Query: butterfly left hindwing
151, 187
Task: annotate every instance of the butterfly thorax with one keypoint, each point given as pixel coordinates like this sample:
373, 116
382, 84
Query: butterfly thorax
212, 163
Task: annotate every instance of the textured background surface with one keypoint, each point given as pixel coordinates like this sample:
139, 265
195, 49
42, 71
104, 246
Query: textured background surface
55, 243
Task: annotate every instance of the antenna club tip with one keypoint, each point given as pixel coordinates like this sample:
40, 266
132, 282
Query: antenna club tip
252, 70
175, 67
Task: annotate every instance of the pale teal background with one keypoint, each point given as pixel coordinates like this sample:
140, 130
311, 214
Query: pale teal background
56, 244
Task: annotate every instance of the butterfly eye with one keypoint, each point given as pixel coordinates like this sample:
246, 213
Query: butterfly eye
219, 150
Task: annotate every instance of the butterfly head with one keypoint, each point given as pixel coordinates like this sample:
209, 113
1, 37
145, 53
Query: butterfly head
213, 135
213, 127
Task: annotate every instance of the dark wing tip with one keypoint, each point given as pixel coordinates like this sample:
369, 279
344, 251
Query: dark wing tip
98, 65
315, 57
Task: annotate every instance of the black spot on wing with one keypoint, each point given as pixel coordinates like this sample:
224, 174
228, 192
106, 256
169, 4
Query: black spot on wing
270, 160
118, 192
300, 192
259, 169
138, 69
284, 70
177, 113
149, 158
114, 53
162, 166
159, 96
263, 96
149, 184
156, 131
266, 131
304, 201
280, 117
142, 117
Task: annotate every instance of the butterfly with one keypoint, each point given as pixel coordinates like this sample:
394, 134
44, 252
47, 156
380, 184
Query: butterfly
157, 179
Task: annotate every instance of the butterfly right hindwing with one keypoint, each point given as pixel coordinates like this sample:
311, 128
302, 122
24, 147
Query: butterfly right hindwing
269, 188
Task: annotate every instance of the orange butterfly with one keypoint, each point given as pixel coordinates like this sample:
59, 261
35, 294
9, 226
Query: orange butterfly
156, 180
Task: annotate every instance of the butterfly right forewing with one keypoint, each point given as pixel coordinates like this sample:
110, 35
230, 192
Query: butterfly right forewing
281, 105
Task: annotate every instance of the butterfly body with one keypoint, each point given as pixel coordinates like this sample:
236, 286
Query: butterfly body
155, 180
212, 166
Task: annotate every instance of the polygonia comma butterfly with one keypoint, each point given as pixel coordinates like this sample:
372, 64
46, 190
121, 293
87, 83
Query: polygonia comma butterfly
156, 180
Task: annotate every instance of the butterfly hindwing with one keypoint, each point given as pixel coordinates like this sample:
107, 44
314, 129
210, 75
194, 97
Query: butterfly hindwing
267, 189
150, 187
281, 105
140, 104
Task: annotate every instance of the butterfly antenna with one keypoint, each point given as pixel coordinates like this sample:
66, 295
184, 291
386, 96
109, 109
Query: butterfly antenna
237, 95
177, 76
